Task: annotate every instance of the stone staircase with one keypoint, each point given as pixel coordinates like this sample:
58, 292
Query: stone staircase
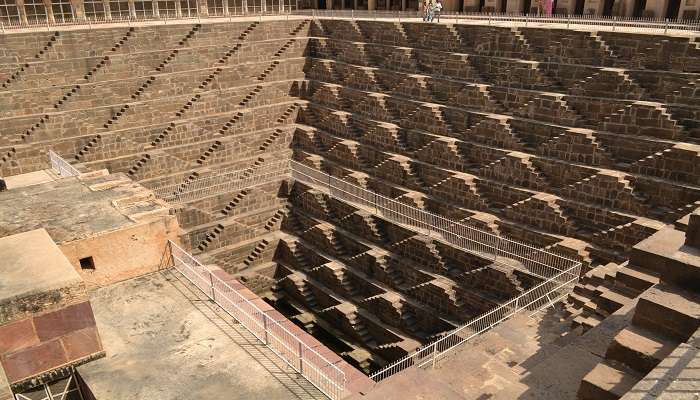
210, 237
255, 254
233, 203
49, 45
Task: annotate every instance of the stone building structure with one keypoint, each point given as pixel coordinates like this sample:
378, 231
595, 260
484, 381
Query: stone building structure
23, 12
580, 142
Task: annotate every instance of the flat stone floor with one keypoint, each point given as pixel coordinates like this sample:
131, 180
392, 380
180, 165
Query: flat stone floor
29, 179
165, 341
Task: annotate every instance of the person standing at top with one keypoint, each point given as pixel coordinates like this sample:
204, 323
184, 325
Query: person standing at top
437, 9
426, 5
430, 11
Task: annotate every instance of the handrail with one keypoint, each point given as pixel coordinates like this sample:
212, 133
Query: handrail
63, 167
542, 295
319, 371
559, 274
222, 182
499, 249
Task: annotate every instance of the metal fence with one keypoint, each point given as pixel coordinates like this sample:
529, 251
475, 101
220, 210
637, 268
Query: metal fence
222, 182
559, 274
62, 166
499, 249
515, 19
542, 295
320, 372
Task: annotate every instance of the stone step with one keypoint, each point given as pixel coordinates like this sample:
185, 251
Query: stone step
665, 253
670, 311
611, 301
636, 278
640, 349
586, 322
606, 383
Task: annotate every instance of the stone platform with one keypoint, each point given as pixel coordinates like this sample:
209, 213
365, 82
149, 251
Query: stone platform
166, 341
107, 218
46, 321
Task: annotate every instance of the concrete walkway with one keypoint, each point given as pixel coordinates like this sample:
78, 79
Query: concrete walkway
166, 341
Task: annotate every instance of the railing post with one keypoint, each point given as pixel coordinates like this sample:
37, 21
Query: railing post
301, 355
498, 248
265, 329
211, 285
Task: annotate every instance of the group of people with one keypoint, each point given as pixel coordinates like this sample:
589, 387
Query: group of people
431, 10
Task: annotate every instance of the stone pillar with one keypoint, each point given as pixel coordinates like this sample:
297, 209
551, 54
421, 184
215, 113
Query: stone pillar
132, 9
108, 10
567, 5
403, 5
515, 6
658, 7
329, 4
156, 13
78, 9
202, 8
490, 6
371, 4
49, 11
22, 12
178, 9
629, 8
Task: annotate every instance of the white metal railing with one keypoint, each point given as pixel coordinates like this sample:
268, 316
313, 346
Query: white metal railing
559, 274
62, 166
499, 249
516, 19
541, 295
222, 182
320, 372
